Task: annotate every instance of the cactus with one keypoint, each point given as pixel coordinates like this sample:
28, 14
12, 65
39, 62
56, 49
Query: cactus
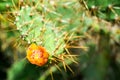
107, 9
48, 24
36, 29
7, 4
56, 25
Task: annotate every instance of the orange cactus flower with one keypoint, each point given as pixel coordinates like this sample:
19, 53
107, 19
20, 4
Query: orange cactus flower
37, 55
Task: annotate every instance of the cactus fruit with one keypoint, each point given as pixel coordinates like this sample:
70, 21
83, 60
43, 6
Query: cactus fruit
37, 55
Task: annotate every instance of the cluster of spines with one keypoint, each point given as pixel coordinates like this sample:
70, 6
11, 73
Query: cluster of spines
107, 9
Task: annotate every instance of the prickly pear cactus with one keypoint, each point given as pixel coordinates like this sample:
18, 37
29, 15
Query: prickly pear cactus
49, 24
34, 28
107, 9
50, 27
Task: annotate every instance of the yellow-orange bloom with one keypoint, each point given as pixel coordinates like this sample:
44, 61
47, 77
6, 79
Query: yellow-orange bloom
37, 55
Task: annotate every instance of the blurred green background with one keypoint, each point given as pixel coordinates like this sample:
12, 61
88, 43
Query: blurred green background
97, 24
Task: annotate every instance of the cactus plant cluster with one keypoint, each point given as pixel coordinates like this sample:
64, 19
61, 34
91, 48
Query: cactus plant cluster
61, 26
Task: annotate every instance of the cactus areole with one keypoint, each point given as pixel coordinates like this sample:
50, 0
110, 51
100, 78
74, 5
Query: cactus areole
37, 55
